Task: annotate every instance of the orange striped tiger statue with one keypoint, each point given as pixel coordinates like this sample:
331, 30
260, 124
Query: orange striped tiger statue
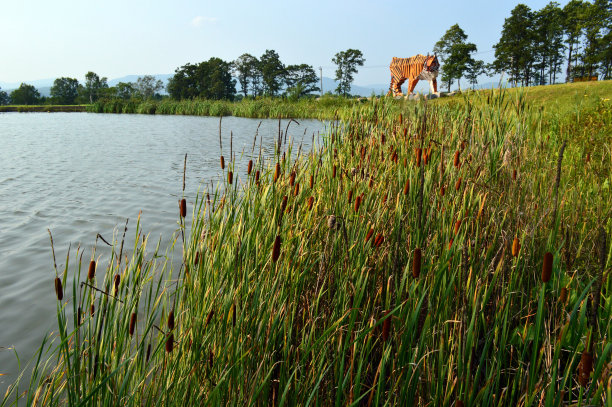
418, 67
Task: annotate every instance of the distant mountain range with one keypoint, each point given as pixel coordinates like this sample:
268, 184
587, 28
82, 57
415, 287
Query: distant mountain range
329, 85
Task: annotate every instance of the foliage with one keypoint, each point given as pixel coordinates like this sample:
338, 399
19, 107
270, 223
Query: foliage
65, 91
246, 69
301, 80
347, 62
272, 71
147, 86
288, 291
4, 98
25, 95
209, 79
94, 87
125, 90
455, 53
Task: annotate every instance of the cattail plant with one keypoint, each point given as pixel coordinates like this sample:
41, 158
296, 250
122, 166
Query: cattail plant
516, 247
230, 177
183, 207
350, 196
416, 263
585, 368
514, 175
378, 240
250, 167
334, 171
311, 183
456, 160
170, 343
310, 202
442, 190
277, 172
223, 162
59, 292
171, 320
257, 177
117, 281
292, 179
457, 226
563, 295
369, 235
407, 187
92, 309
92, 270
296, 190
132, 323
357, 203
276, 248
418, 153
547, 267
458, 184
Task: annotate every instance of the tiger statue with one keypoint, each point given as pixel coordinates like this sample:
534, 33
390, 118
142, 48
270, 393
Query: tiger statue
418, 67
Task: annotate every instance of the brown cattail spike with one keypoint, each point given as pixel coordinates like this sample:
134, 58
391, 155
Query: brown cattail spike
418, 157
407, 187
457, 225
277, 172
379, 240
458, 184
276, 248
442, 190
183, 207
222, 162
456, 160
171, 320
516, 247
311, 184
296, 190
416, 263
59, 292
386, 327
92, 309
334, 172
310, 202
369, 235
92, 270
513, 175
132, 323
117, 281
257, 176
585, 368
170, 343
350, 196
357, 203
250, 167
230, 177
563, 295
292, 178
547, 267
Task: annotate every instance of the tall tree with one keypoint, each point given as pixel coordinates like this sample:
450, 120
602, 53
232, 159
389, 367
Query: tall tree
455, 53
246, 70
25, 95
147, 86
474, 70
605, 53
273, 72
514, 51
347, 63
301, 79
573, 21
65, 90
548, 42
184, 83
210, 79
93, 86
4, 98
125, 90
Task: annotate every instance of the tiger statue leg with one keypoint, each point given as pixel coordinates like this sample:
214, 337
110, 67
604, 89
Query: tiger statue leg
411, 85
433, 86
396, 86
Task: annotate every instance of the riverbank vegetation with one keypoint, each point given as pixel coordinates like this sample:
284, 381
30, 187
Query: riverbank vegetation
449, 254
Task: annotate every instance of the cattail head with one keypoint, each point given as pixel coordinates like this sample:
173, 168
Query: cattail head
79, 315
458, 184
310, 202
457, 226
230, 177
334, 171
516, 247
222, 162
183, 207
378, 240
418, 152
117, 281
382, 138
170, 343
357, 203
296, 190
283, 204
442, 190
59, 292
563, 295
459, 403
311, 183
386, 326
257, 177
132, 323
456, 160
276, 248
547, 267
92, 309
277, 171
350, 196
416, 263
292, 178
514, 175
171, 320
585, 368
197, 258
369, 235
92, 270
407, 187
209, 317
250, 167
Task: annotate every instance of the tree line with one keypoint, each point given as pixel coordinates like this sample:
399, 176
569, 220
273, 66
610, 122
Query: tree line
69, 91
537, 47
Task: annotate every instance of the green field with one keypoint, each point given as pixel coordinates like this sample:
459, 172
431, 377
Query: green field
454, 252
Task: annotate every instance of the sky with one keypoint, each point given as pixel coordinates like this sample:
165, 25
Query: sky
41, 39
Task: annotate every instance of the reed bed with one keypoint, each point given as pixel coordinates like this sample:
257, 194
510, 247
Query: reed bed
369, 287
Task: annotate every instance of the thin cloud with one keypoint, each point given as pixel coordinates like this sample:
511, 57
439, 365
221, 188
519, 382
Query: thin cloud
199, 21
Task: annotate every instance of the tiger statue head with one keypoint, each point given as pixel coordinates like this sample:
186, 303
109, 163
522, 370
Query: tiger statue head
431, 67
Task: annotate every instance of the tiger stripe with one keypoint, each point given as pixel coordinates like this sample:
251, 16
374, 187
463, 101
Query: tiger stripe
413, 69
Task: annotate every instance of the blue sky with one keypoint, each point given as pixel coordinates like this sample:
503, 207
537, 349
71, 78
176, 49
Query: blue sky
49, 39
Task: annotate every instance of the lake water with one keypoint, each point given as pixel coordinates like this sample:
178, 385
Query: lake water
80, 174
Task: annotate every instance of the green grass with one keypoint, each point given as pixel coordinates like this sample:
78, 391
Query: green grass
339, 318
43, 108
